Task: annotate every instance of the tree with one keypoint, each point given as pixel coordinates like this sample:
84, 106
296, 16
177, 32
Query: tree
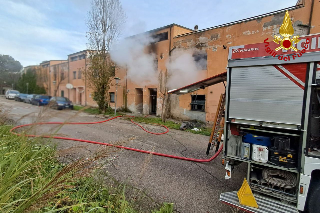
8, 64
9, 70
163, 80
30, 78
43, 78
59, 72
104, 23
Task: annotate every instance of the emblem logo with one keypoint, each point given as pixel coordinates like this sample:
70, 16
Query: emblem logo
286, 31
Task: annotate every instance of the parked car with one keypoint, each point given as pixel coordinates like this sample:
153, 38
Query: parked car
20, 97
11, 94
29, 98
41, 100
60, 103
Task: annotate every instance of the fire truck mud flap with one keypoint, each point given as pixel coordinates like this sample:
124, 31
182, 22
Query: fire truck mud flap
266, 205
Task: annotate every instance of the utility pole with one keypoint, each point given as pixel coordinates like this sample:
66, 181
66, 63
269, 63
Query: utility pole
115, 98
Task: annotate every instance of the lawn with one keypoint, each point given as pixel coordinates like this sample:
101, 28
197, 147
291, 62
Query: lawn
148, 120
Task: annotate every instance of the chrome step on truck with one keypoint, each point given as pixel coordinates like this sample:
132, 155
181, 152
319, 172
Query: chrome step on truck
266, 205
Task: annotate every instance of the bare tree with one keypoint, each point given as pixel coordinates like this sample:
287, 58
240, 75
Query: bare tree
43, 78
163, 79
59, 74
104, 23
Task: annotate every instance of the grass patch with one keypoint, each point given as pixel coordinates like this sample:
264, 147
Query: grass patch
32, 180
153, 120
203, 131
95, 111
147, 120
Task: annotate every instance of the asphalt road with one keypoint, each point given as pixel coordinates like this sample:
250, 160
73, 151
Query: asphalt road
192, 187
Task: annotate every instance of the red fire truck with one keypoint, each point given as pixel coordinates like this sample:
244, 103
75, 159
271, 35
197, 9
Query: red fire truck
272, 123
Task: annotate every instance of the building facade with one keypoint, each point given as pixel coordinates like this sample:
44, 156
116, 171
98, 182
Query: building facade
210, 46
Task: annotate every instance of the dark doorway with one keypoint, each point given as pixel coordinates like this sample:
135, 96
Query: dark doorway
139, 100
153, 100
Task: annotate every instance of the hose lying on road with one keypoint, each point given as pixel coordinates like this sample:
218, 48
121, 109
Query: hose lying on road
117, 146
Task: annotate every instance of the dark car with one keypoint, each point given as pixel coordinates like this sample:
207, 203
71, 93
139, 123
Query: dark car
40, 100
60, 103
20, 97
29, 98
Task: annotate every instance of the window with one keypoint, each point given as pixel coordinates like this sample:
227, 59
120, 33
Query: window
62, 93
201, 60
62, 76
79, 74
111, 97
82, 57
160, 37
74, 74
198, 102
74, 58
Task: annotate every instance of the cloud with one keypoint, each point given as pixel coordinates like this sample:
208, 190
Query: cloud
51, 30
28, 35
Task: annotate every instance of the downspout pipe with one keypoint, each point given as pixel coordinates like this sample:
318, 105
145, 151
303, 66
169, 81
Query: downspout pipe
310, 18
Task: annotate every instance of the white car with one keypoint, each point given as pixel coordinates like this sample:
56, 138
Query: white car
11, 94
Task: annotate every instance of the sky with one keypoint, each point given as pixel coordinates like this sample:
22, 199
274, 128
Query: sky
32, 31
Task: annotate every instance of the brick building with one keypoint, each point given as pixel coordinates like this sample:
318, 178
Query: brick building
210, 45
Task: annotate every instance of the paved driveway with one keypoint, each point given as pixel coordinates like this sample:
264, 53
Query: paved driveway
192, 187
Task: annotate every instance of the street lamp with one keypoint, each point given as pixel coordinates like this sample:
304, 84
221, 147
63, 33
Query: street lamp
27, 87
115, 98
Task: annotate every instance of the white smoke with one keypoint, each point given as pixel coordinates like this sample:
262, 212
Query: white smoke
183, 69
132, 54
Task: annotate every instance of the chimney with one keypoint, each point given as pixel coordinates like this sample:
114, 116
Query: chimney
196, 28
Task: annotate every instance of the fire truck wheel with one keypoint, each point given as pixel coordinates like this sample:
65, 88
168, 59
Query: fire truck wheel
314, 199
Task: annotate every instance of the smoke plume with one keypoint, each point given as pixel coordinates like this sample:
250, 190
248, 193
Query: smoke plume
132, 53
183, 69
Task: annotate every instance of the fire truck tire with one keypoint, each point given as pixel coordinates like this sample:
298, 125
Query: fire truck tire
314, 199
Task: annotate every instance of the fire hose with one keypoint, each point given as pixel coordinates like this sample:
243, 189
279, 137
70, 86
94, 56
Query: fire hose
112, 145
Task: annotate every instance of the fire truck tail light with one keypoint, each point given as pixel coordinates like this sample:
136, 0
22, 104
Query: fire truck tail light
301, 189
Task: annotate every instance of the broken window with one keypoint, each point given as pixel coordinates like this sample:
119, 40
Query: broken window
201, 60
74, 74
74, 58
198, 102
160, 37
111, 97
82, 57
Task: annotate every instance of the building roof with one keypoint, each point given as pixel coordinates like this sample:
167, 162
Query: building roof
200, 84
78, 52
44, 62
160, 28
243, 20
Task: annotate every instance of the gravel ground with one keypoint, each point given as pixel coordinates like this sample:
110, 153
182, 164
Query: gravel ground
192, 187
